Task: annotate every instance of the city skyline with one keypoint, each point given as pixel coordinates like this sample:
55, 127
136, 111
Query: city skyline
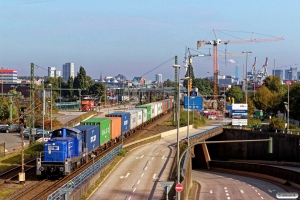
149, 36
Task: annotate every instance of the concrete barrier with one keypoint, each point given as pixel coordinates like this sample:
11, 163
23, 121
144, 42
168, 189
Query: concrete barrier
174, 131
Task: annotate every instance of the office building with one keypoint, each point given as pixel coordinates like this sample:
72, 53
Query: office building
278, 72
68, 71
51, 71
57, 73
236, 72
292, 75
8, 76
158, 78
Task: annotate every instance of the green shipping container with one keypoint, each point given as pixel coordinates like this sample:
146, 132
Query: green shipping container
148, 107
104, 124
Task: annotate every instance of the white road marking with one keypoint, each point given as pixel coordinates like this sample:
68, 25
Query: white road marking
228, 197
127, 175
142, 156
122, 177
134, 189
211, 191
154, 175
145, 168
142, 174
242, 191
152, 158
156, 153
227, 194
258, 193
163, 157
255, 190
226, 190
261, 197
138, 182
129, 198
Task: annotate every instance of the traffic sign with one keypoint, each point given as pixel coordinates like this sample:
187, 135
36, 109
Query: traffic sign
166, 185
178, 187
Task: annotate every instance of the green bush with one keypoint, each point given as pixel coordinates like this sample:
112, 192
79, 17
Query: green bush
254, 122
277, 123
123, 152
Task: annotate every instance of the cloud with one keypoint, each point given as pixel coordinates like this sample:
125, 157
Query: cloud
231, 61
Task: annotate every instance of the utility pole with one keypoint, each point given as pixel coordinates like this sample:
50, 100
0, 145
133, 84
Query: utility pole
32, 120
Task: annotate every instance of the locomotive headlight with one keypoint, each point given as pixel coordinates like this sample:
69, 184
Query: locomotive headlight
42, 169
61, 169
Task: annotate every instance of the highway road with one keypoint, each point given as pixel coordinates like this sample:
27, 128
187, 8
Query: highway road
216, 185
137, 176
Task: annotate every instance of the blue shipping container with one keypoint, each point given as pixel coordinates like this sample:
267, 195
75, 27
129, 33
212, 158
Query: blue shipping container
90, 136
125, 119
196, 102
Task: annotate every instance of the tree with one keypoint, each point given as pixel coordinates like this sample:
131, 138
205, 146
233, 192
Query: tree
169, 83
189, 73
294, 100
80, 81
273, 83
204, 85
263, 98
236, 93
98, 89
70, 85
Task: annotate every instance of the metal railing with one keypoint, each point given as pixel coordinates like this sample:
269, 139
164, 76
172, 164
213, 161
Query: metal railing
77, 181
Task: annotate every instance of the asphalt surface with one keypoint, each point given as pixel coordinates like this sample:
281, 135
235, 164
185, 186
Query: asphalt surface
216, 185
137, 176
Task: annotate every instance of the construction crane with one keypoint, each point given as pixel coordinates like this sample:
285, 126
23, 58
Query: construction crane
216, 42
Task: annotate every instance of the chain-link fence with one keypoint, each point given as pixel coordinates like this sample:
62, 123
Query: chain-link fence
2, 149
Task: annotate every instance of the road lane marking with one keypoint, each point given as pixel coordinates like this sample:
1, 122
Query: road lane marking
163, 157
142, 156
242, 191
129, 198
156, 153
152, 158
228, 197
261, 197
211, 191
142, 174
127, 175
145, 168
226, 190
154, 175
258, 193
138, 182
227, 194
134, 189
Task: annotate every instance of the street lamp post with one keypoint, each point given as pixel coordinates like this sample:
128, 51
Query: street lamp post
246, 92
188, 115
43, 107
177, 72
288, 104
50, 107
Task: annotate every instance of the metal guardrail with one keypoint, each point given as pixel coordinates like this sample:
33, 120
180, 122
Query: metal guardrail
77, 181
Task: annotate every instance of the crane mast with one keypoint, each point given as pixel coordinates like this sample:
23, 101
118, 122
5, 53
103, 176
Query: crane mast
216, 42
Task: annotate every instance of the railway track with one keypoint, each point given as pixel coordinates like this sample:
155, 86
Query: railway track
12, 174
42, 189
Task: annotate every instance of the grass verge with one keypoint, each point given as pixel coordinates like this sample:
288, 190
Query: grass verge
8, 191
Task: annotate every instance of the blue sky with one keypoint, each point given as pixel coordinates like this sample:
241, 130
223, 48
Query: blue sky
136, 36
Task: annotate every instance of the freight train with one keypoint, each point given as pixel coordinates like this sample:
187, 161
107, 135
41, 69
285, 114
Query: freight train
70, 148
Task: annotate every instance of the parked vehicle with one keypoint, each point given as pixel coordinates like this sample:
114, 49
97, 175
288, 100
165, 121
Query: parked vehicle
69, 148
4, 128
87, 105
15, 128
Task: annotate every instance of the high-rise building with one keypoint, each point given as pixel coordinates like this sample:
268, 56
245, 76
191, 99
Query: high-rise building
51, 71
57, 73
278, 72
158, 78
236, 72
292, 75
68, 71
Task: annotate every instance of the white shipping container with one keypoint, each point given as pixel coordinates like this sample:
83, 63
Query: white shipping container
133, 118
159, 107
153, 109
144, 114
